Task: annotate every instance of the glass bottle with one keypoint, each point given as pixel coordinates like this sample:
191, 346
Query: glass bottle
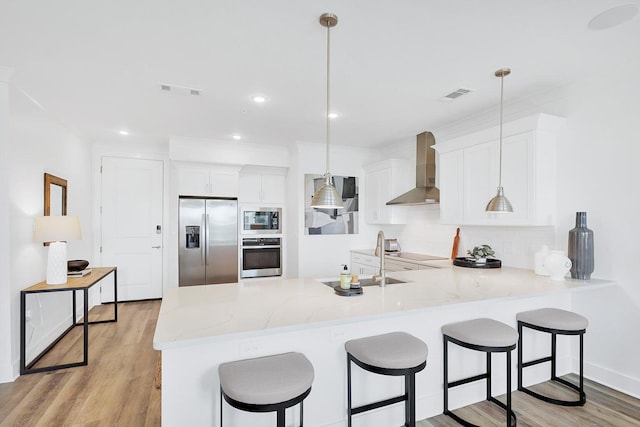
581, 248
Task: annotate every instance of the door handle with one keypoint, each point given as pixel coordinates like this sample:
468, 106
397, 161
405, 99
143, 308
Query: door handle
156, 247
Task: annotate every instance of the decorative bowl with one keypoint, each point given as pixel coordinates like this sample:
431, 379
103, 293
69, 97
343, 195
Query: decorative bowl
77, 264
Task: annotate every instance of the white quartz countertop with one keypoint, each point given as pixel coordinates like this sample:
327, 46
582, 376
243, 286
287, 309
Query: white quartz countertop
197, 314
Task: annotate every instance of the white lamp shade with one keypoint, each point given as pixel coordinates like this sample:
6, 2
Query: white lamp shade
56, 228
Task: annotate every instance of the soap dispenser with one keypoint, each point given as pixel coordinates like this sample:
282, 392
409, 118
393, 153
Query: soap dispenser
345, 277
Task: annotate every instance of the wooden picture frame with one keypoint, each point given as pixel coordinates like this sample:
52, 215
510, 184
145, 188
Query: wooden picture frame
55, 196
59, 203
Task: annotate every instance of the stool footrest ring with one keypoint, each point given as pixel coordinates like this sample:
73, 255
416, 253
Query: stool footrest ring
580, 402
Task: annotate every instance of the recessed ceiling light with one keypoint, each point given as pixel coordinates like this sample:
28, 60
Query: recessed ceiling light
613, 17
236, 137
259, 99
333, 115
124, 132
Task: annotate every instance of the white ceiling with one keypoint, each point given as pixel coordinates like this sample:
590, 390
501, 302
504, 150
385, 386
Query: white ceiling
97, 65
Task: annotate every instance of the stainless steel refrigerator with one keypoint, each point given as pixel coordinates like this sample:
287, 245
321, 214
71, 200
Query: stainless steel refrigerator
208, 241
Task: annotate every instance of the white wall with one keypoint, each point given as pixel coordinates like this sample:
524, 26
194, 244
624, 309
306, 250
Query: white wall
6, 368
596, 173
322, 255
37, 144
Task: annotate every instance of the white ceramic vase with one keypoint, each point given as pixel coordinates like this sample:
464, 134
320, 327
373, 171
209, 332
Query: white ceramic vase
538, 261
557, 265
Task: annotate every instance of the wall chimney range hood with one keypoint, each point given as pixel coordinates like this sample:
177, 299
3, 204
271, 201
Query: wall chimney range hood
425, 192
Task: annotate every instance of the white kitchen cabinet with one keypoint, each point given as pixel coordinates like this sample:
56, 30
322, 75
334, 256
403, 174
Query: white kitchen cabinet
384, 181
220, 181
369, 264
364, 264
469, 173
266, 189
450, 185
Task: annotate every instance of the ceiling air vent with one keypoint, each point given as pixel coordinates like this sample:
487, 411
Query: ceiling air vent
180, 90
455, 94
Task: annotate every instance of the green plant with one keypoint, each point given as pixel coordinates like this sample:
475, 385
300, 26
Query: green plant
481, 251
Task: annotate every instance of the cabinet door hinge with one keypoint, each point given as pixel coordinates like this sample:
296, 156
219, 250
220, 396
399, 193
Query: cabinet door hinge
100, 249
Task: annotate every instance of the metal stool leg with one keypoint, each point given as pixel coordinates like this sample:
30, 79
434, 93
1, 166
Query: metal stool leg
445, 356
508, 388
349, 390
301, 414
410, 404
519, 356
488, 357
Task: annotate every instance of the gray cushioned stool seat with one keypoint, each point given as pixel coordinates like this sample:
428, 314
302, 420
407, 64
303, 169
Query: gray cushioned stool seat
482, 332
266, 380
395, 350
554, 318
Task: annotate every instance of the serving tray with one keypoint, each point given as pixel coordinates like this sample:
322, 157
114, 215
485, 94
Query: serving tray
352, 292
471, 263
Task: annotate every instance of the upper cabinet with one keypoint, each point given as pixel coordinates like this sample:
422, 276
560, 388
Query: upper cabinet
384, 181
469, 170
212, 181
262, 188
263, 185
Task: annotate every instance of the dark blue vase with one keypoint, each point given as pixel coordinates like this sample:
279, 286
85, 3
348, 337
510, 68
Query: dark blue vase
581, 248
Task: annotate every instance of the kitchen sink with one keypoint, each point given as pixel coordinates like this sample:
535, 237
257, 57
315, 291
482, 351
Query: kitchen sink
366, 282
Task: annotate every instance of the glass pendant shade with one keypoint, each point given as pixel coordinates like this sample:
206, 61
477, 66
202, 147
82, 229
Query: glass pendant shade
327, 196
499, 204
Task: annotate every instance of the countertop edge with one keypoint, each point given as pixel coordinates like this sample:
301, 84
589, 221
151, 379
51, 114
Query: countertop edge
569, 285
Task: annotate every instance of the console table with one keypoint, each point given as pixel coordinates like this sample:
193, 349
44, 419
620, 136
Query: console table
73, 284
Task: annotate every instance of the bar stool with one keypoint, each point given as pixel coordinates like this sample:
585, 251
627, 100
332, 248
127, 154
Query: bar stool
488, 336
555, 322
266, 384
396, 354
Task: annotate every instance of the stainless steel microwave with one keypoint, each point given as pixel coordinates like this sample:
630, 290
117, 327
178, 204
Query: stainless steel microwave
261, 221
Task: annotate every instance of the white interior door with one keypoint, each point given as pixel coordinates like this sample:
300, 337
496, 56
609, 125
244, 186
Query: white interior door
132, 226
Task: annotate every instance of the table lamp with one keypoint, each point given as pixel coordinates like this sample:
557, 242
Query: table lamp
56, 230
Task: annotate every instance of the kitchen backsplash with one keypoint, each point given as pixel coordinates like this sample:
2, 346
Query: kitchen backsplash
515, 246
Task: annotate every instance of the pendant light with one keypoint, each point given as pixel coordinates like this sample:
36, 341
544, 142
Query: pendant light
500, 204
327, 196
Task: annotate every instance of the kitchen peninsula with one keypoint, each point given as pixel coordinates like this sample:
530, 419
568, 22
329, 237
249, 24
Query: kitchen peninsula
200, 327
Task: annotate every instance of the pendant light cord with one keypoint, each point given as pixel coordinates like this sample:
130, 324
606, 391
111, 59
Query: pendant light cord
328, 136
501, 100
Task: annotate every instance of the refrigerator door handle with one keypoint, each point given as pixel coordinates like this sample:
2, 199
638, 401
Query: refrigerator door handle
205, 238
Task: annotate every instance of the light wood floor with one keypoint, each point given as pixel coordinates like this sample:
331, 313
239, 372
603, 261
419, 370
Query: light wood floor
604, 407
117, 387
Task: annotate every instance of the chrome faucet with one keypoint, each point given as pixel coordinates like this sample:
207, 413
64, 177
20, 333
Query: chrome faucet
382, 274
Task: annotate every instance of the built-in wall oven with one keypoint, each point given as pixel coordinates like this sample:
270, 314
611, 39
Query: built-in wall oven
261, 257
261, 221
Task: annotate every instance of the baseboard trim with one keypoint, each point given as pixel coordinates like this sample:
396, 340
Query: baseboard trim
612, 379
